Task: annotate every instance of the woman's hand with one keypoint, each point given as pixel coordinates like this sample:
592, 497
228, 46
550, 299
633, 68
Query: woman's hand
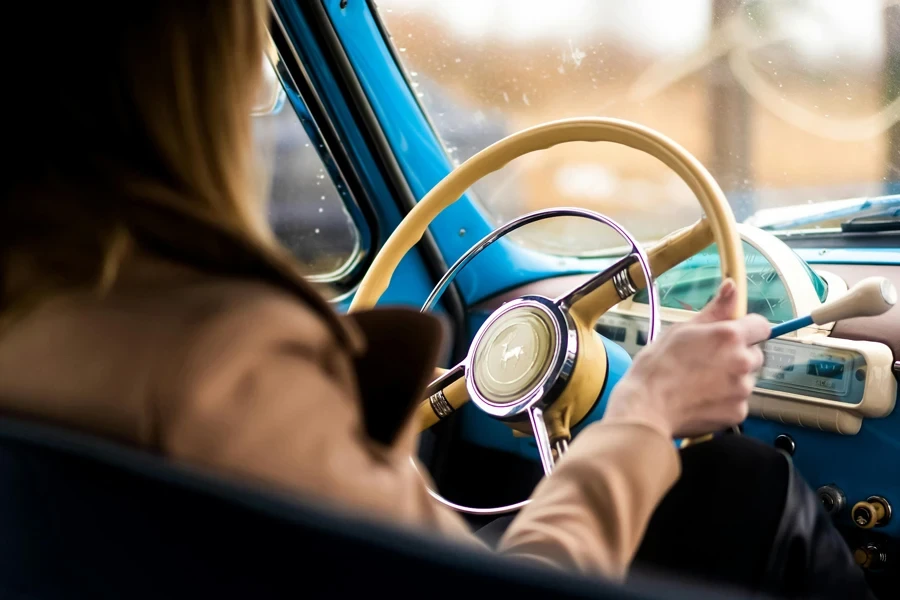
696, 378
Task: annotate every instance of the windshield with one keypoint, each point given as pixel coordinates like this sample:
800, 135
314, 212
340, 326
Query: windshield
787, 102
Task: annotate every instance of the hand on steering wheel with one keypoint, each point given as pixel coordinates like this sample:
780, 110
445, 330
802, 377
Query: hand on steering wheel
537, 363
698, 376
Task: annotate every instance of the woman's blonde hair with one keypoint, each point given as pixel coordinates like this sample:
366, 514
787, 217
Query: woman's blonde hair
135, 132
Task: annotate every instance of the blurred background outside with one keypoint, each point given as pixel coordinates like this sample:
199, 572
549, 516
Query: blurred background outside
787, 102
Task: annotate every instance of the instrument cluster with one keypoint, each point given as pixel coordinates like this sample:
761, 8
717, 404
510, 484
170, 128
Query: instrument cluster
789, 366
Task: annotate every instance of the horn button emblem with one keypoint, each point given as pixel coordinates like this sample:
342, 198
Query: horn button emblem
514, 354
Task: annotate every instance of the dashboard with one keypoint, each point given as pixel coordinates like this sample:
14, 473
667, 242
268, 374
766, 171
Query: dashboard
826, 395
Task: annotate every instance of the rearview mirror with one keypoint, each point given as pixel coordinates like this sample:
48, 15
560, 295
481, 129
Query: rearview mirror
270, 97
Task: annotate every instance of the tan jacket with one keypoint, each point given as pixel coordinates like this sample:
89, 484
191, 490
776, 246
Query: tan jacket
244, 378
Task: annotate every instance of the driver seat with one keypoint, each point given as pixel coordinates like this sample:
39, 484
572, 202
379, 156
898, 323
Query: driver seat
85, 518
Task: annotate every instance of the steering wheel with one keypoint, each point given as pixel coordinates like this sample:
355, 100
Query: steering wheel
537, 363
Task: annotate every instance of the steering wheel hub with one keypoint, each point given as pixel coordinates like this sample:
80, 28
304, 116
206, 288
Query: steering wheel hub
514, 355
519, 356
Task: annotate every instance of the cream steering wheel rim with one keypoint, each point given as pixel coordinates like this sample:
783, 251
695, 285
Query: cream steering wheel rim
718, 212
581, 386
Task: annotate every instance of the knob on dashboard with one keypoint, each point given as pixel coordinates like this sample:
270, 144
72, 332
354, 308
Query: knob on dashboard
786, 443
832, 499
873, 512
870, 557
869, 298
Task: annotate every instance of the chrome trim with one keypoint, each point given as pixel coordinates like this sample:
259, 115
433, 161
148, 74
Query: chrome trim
565, 351
543, 393
837, 497
499, 510
888, 512
788, 441
897, 367
570, 298
625, 287
446, 379
439, 405
542, 437
502, 231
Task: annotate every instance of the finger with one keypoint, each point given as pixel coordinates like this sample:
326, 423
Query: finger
754, 329
739, 387
757, 358
721, 307
741, 361
748, 383
741, 411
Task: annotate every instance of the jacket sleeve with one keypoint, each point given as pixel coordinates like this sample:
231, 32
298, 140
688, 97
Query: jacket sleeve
591, 513
262, 392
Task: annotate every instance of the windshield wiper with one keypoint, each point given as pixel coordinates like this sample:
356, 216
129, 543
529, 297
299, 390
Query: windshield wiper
886, 220
792, 217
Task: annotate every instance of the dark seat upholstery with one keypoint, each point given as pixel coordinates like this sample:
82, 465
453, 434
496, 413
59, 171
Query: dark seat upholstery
84, 518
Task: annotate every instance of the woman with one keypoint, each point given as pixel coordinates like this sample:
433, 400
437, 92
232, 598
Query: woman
144, 299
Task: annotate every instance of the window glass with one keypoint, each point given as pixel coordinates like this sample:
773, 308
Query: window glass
787, 102
306, 207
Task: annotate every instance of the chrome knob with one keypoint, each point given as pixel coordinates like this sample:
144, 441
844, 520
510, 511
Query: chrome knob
870, 557
874, 511
832, 499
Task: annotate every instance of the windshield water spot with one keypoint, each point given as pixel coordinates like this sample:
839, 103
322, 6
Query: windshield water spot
577, 55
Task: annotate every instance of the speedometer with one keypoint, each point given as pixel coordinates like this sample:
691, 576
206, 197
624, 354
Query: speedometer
691, 284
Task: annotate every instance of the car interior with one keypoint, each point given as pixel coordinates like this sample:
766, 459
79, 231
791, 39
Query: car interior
562, 182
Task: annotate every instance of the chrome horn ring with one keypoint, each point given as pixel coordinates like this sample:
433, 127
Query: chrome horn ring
529, 399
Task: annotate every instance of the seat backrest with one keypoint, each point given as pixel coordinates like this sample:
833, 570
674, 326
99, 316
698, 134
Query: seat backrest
84, 518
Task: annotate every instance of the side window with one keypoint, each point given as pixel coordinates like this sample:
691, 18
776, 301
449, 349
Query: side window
308, 207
